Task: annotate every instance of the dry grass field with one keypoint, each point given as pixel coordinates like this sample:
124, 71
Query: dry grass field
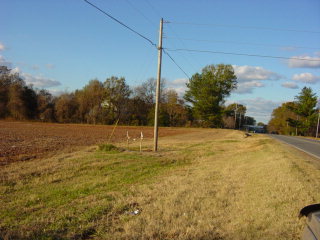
205, 184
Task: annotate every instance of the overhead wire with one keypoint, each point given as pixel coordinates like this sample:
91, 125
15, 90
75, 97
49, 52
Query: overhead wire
243, 43
121, 23
148, 59
244, 27
242, 54
134, 31
158, 13
176, 63
141, 13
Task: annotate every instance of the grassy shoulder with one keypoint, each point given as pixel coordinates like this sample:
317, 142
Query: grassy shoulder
64, 197
209, 184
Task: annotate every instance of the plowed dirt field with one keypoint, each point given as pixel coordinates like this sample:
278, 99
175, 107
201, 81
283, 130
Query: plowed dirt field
21, 141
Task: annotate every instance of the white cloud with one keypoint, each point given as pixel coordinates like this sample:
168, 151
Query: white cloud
250, 77
50, 66
247, 87
56, 92
39, 81
178, 85
2, 47
291, 85
4, 62
306, 78
308, 62
260, 108
179, 81
254, 73
15, 70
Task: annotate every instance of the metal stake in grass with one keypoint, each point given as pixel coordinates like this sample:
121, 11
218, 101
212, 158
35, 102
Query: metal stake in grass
141, 138
128, 137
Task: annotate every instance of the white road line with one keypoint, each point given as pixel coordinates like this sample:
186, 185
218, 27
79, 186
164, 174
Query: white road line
297, 148
301, 139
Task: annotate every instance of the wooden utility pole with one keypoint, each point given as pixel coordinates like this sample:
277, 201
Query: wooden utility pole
318, 124
155, 135
235, 116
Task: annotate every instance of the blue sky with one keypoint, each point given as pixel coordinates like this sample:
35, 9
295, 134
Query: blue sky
61, 45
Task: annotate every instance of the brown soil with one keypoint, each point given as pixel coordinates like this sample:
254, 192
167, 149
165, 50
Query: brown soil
21, 141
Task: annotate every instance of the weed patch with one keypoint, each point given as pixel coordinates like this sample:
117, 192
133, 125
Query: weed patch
108, 148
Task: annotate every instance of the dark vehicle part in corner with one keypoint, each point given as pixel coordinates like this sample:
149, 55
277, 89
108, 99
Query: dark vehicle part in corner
312, 229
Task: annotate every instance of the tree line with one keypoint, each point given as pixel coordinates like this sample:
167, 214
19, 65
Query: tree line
298, 117
114, 100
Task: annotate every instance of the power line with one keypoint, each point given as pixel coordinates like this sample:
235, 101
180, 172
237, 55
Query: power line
158, 13
183, 45
241, 54
245, 27
141, 13
244, 43
175, 63
118, 21
153, 8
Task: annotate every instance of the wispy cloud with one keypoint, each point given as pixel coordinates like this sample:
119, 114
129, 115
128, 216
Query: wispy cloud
247, 87
2, 47
253, 73
288, 48
35, 67
260, 108
308, 62
250, 77
306, 78
37, 81
178, 85
56, 92
291, 85
50, 66
4, 62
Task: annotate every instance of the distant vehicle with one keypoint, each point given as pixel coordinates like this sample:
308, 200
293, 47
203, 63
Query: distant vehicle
274, 132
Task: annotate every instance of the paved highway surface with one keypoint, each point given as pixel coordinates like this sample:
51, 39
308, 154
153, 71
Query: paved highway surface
309, 146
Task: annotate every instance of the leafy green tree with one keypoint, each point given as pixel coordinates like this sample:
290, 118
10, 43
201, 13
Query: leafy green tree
207, 91
116, 97
305, 109
249, 120
280, 119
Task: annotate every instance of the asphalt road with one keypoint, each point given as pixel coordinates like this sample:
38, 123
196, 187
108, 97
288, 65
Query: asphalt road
309, 146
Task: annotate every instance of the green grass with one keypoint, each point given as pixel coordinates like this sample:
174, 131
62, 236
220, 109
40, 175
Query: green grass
209, 184
66, 200
108, 148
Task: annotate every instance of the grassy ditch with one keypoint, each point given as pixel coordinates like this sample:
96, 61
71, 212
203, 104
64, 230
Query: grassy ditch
209, 184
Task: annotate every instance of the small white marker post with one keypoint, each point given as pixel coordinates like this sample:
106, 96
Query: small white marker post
141, 138
128, 137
